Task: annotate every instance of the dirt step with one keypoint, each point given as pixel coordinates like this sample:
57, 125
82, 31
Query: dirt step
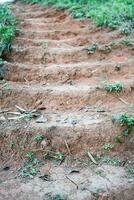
82, 130
57, 55
39, 25
61, 16
46, 55
64, 43
18, 72
60, 97
45, 12
53, 34
105, 182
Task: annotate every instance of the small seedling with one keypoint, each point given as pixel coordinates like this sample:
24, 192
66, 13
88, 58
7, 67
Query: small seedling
29, 167
126, 132
38, 137
124, 119
130, 170
127, 41
111, 161
30, 155
108, 146
113, 87
117, 138
91, 49
59, 156
55, 197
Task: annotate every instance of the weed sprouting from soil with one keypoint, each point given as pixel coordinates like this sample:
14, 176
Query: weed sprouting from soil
38, 137
127, 122
108, 146
55, 197
111, 87
91, 49
30, 166
127, 41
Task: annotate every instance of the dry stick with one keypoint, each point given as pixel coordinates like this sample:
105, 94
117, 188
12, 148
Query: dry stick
91, 157
67, 147
122, 100
14, 113
20, 109
94, 71
4, 111
26, 81
72, 182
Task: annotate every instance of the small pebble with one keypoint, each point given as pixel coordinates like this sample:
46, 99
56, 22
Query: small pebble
41, 119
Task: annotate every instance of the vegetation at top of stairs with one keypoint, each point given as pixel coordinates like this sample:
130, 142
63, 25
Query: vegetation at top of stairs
116, 14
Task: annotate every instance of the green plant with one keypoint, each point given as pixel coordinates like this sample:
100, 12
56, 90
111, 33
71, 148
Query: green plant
92, 48
113, 87
59, 155
55, 197
38, 137
120, 15
30, 167
130, 169
127, 41
117, 138
111, 161
108, 146
7, 28
125, 120
30, 155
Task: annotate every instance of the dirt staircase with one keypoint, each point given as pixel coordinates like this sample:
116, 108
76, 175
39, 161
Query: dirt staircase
49, 69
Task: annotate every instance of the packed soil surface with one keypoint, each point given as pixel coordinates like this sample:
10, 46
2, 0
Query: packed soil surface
50, 71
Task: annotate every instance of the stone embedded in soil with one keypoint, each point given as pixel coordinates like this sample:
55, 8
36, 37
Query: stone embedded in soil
42, 119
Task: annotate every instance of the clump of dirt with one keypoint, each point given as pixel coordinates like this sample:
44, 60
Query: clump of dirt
55, 69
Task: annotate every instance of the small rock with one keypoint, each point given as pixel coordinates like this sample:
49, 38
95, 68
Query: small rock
71, 82
41, 119
2, 118
130, 180
6, 168
44, 143
101, 110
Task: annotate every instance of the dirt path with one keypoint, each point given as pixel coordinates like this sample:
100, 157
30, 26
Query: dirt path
49, 69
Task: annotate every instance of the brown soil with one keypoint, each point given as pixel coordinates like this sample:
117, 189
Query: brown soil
50, 70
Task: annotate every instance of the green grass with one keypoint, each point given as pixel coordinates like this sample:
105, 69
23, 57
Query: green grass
7, 28
110, 13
